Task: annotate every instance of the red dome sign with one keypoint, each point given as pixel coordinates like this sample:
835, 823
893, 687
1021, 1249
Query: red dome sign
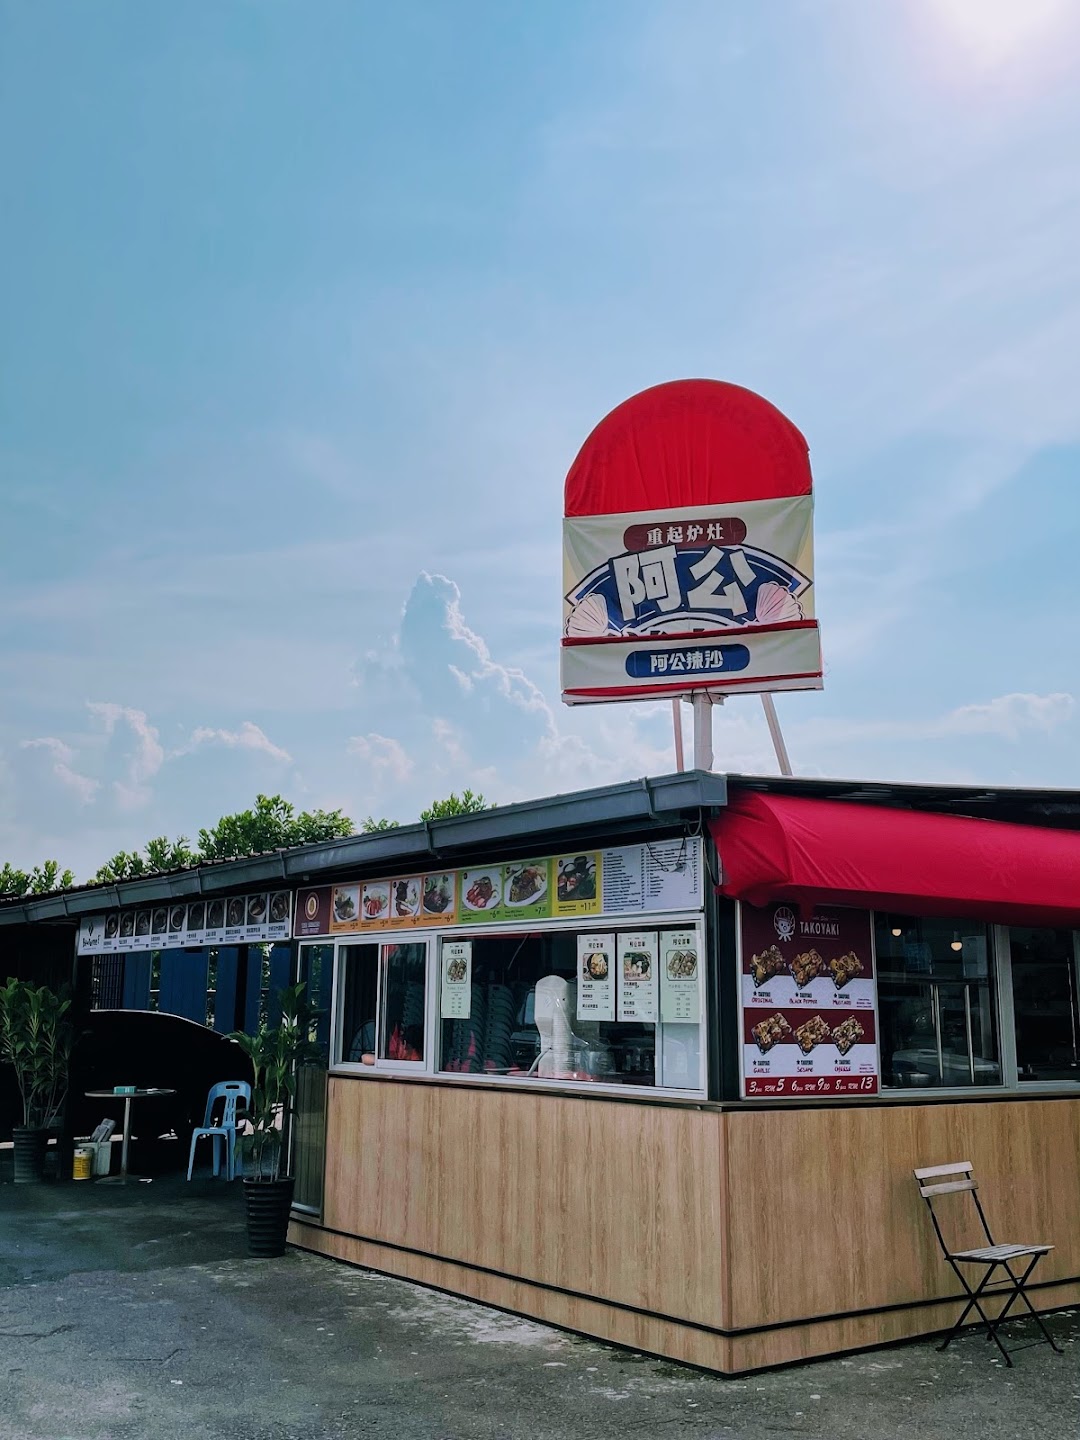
688, 550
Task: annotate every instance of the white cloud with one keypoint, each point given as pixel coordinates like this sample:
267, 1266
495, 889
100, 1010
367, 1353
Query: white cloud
145, 757
1010, 715
248, 737
385, 758
1006, 717
63, 758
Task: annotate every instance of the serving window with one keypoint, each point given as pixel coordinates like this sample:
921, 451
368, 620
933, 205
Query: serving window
573, 1006
381, 1004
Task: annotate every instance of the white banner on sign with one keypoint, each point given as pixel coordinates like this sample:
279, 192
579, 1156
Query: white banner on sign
637, 977
456, 989
680, 977
786, 657
596, 977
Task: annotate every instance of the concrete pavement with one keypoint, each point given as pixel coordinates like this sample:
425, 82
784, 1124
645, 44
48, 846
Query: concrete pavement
135, 1313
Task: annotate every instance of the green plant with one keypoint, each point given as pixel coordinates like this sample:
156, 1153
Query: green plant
275, 1053
36, 1038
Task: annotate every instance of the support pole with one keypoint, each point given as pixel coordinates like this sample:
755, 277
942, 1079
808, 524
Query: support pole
776, 733
703, 747
676, 716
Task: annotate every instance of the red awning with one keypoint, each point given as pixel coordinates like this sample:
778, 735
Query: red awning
787, 847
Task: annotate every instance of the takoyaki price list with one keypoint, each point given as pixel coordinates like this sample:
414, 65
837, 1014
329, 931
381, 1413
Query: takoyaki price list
808, 996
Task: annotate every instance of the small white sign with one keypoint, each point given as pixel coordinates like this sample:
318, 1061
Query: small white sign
456, 992
680, 976
596, 977
638, 980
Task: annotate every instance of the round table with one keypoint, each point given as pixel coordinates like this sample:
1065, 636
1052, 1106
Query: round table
131, 1095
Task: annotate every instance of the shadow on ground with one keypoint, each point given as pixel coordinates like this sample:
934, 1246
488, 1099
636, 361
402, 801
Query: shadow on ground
133, 1311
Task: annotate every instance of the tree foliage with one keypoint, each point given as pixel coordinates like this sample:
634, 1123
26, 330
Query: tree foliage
38, 881
464, 804
371, 826
271, 824
36, 1039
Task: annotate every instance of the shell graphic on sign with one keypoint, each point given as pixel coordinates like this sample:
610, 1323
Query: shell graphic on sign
688, 549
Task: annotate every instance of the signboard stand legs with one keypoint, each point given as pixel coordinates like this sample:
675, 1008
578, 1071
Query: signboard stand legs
703, 747
676, 716
776, 733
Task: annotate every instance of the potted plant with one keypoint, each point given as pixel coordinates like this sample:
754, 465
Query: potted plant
275, 1053
35, 1038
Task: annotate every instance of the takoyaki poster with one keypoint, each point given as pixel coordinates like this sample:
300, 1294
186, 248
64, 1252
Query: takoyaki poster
808, 997
596, 977
638, 987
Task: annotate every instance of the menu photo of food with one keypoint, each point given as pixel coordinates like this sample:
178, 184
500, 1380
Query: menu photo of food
215, 915
345, 906
375, 901
682, 964
481, 890
280, 906
637, 965
437, 894
112, 925
177, 914
159, 921
142, 923
196, 917
127, 924
256, 911
526, 884
576, 879
405, 898
235, 911
595, 965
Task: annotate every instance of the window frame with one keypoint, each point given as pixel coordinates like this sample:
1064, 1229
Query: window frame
429, 1067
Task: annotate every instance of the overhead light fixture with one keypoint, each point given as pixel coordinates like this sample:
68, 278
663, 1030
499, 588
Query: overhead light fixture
956, 943
897, 931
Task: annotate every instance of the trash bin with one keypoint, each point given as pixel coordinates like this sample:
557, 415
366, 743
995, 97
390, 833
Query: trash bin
101, 1154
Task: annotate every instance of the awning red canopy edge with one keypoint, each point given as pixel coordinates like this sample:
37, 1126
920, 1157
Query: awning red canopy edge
831, 852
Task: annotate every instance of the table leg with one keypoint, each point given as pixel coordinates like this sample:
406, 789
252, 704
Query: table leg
127, 1138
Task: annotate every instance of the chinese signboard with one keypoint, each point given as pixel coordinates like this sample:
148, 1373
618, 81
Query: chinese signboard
236, 920
711, 587
808, 1001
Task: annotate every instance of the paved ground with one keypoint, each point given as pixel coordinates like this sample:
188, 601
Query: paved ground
133, 1312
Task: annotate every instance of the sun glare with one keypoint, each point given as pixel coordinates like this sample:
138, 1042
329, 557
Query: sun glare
993, 32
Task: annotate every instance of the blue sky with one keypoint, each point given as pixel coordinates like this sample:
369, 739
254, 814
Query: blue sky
308, 307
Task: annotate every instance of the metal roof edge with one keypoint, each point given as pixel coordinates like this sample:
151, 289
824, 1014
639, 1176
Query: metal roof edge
657, 800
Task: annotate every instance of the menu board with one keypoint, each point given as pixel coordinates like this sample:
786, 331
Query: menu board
596, 977
621, 881
680, 977
637, 977
808, 1000
627, 880
238, 919
456, 989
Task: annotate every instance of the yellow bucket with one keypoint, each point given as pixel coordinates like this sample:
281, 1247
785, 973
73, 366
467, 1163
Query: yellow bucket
83, 1167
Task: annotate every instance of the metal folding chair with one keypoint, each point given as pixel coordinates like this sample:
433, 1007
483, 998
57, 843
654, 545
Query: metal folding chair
936, 1180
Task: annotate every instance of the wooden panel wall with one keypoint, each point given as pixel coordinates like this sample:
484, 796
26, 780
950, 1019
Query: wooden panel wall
826, 1217
738, 1221
613, 1200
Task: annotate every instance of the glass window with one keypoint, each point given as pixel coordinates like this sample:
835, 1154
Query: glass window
404, 973
1045, 1004
523, 1021
936, 1002
358, 977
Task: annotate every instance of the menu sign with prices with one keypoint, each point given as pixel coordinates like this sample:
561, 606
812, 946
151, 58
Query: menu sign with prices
596, 977
239, 919
808, 1001
637, 977
456, 989
680, 977
626, 880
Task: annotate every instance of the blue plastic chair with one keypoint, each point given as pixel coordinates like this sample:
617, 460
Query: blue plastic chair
231, 1092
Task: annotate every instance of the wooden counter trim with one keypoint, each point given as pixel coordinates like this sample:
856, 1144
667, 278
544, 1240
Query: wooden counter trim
309, 1223
646, 1095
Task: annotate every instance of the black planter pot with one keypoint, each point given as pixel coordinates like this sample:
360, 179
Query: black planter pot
268, 1205
31, 1142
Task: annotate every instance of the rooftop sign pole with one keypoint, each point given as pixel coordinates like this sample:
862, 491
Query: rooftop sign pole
688, 556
